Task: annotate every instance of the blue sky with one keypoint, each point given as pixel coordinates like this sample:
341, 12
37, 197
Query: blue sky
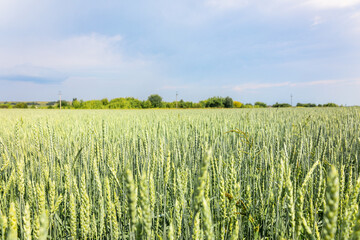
249, 50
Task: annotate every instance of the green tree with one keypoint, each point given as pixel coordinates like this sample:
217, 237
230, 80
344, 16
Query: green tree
76, 103
306, 105
134, 103
228, 102
215, 102
155, 100
281, 105
105, 101
146, 104
330, 105
237, 104
21, 105
261, 104
247, 105
63, 103
181, 104
92, 104
119, 103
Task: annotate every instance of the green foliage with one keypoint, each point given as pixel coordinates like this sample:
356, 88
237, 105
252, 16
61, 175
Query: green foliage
183, 104
75, 103
125, 103
180, 174
169, 104
219, 102
237, 104
92, 104
146, 104
330, 105
121, 103
206, 174
64, 104
51, 103
306, 105
21, 105
215, 102
32, 103
155, 100
247, 105
261, 104
105, 101
228, 102
281, 105
134, 103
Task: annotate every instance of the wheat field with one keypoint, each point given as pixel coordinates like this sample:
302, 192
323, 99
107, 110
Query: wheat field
180, 174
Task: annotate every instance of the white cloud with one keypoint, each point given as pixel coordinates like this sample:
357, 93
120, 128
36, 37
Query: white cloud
15, 13
281, 5
80, 51
227, 4
172, 87
92, 53
83, 66
255, 86
328, 4
317, 20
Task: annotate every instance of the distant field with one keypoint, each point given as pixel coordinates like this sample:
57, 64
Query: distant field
180, 174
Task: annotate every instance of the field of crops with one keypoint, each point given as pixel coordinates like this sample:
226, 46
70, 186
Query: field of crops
180, 174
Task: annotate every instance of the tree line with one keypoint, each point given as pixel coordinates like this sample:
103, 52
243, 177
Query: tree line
155, 101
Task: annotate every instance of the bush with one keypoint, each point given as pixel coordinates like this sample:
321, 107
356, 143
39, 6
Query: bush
63, 104
21, 105
146, 104
248, 105
237, 104
133, 102
306, 105
76, 103
50, 103
117, 103
33, 103
281, 105
261, 104
92, 104
330, 105
214, 102
105, 101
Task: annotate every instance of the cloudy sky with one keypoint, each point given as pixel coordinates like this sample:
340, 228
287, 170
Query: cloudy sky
249, 50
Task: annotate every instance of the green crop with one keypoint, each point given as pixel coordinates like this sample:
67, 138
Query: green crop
180, 174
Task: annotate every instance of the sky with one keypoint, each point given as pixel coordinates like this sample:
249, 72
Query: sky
249, 50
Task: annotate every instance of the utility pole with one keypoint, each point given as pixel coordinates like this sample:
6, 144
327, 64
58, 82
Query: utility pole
60, 98
176, 99
291, 96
